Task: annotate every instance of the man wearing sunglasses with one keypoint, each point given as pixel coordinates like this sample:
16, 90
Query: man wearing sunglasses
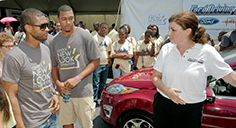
75, 55
27, 75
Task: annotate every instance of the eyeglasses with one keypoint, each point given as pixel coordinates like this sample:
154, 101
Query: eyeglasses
7, 46
42, 26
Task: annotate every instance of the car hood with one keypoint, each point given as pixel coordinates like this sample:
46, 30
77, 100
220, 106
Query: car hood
141, 78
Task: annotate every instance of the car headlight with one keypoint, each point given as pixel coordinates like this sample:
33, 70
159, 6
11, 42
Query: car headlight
120, 89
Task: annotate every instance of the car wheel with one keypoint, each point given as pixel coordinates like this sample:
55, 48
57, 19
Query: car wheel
136, 120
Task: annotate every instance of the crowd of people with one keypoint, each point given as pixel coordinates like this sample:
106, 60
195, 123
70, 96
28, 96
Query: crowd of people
75, 62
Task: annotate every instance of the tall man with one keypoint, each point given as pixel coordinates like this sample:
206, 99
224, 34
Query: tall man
26, 75
100, 74
228, 41
75, 56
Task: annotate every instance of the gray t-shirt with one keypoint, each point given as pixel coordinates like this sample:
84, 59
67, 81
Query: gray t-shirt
49, 39
31, 69
229, 39
71, 54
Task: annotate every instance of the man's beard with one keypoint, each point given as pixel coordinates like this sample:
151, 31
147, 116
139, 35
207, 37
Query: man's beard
68, 31
39, 38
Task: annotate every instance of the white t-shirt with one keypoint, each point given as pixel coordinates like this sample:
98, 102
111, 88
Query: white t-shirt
19, 36
118, 48
145, 60
104, 45
93, 33
132, 41
8, 30
158, 42
189, 72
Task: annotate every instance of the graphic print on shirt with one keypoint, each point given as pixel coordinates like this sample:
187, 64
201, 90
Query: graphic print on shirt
41, 76
68, 58
122, 50
103, 46
145, 50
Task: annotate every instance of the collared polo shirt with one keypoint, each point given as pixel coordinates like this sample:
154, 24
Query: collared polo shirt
189, 72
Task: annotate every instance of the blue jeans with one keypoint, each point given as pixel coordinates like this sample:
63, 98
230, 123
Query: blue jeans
51, 122
117, 72
99, 80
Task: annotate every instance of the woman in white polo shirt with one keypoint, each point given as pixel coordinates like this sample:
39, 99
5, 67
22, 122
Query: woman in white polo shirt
181, 71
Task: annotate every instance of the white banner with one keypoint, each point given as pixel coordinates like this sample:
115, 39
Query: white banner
158, 18
140, 13
214, 15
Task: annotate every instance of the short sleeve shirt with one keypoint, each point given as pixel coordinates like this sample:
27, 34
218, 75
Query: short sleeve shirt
71, 54
144, 60
104, 45
118, 48
132, 41
189, 72
229, 39
158, 42
31, 69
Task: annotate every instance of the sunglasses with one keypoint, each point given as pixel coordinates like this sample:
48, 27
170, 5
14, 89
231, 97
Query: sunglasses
42, 26
7, 46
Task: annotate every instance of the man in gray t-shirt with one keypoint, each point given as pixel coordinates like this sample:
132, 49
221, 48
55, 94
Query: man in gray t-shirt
75, 56
228, 41
27, 75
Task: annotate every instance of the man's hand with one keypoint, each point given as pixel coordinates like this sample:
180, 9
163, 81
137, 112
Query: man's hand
62, 89
54, 103
71, 83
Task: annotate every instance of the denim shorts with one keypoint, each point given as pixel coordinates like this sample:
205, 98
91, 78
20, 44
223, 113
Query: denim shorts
51, 122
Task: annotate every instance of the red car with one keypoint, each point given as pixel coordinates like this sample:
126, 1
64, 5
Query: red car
127, 102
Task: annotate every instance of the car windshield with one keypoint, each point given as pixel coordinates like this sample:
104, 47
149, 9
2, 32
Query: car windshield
220, 87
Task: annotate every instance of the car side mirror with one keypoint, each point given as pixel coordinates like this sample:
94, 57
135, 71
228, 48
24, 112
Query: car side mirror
210, 96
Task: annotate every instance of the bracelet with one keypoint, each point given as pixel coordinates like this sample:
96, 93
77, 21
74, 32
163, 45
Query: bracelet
122, 54
55, 93
77, 77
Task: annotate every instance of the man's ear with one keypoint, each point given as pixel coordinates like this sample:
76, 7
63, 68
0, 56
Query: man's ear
58, 19
28, 28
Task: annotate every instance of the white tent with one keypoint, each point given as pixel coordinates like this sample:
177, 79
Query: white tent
88, 11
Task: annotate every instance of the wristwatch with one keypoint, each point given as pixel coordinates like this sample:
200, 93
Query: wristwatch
55, 93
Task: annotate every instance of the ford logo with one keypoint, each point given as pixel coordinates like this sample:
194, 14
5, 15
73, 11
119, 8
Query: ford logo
208, 21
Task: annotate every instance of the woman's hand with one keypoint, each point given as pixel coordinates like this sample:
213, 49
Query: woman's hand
172, 93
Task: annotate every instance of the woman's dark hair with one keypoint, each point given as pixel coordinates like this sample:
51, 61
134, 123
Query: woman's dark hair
4, 104
157, 34
148, 32
208, 36
125, 30
189, 20
127, 27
